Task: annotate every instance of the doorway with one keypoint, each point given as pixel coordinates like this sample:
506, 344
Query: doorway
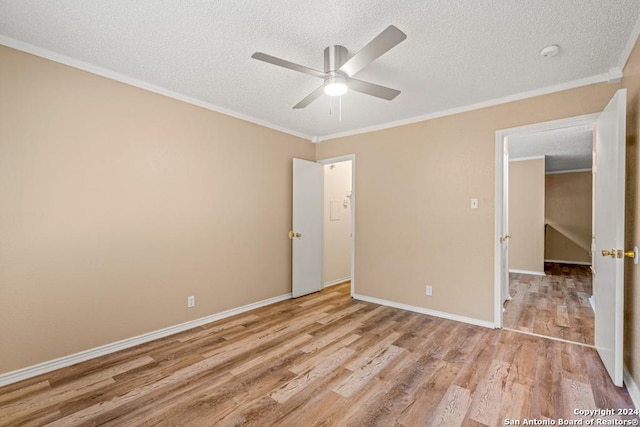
527, 266
607, 246
550, 222
306, 234
337, 205
339, 220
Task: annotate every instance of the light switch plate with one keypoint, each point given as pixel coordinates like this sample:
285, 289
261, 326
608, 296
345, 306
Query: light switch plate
474, 203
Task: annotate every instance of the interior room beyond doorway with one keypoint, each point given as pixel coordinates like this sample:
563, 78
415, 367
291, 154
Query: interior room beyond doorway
337, 222
550, 202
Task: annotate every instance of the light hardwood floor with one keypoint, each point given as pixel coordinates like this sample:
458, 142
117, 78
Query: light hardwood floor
323, 359
556, 305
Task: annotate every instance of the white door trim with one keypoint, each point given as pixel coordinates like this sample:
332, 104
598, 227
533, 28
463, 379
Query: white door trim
352, 158
588, 119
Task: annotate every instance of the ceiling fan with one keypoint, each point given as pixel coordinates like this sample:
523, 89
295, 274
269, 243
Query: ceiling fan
339, 69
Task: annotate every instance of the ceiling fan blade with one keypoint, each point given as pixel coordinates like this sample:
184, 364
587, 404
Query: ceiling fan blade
288, 64
310, 98
387, 39
373, 89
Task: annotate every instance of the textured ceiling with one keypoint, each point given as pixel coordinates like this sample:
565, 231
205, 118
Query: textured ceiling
564, 149
457, 52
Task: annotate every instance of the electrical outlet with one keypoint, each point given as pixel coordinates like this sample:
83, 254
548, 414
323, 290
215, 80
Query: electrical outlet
429, 291
191, 301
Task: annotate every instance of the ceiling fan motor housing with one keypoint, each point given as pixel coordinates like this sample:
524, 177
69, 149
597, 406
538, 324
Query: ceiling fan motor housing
335, 57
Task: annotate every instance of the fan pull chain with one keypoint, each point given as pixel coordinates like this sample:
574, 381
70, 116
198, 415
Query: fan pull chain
339, 107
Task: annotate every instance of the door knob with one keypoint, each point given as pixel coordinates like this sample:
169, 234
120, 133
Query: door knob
632, 254
292, 234
619, 253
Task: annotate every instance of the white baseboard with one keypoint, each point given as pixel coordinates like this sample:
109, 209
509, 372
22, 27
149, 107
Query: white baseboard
533, 273
72, 359
632, 388
337, 281
423, 310
561, 261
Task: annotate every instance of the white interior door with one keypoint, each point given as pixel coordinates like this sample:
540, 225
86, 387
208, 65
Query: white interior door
505, 236
608, 279
306, 233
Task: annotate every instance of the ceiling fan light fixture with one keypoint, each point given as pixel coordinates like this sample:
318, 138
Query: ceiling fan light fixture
335, 86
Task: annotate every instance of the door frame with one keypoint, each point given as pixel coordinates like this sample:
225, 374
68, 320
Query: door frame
352, 158
500, 141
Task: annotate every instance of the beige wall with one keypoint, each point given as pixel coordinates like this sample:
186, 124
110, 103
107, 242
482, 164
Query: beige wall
337, 224
118, 203
414, 225
568, 208
526, 215
631, 81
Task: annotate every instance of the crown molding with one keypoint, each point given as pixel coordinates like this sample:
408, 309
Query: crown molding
113, 75
103, 72
598, 78
522, 159
559, 172
631, 42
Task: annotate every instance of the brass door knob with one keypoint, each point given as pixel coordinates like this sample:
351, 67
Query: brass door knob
292, 234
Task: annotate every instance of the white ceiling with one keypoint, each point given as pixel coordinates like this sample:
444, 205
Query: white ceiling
564, 149
458, 53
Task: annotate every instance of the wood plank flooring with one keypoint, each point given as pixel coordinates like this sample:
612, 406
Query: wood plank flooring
322, 360
556, 305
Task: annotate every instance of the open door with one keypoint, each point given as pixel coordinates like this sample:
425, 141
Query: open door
504, 234
306, 234
608, 278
